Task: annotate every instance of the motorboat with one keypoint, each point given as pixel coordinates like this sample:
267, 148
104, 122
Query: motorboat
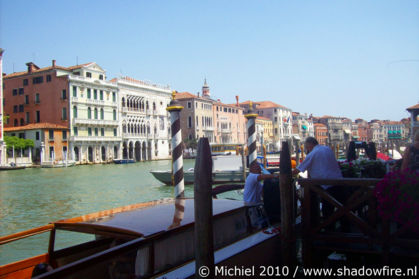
151, 239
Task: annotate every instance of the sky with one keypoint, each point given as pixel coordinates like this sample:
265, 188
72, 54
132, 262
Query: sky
355, 59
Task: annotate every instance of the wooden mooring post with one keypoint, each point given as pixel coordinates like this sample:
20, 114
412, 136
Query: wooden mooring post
203, 238
287, 207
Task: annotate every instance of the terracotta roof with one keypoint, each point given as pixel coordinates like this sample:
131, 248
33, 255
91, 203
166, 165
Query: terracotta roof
263, 118
45, 69
185, 95
264, 104
80, 66
227, 105
413, 107
36, 126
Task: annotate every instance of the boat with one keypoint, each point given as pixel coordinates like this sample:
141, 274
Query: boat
218, 177
226, 169
58, 164
123, 161
11, 167
151, 239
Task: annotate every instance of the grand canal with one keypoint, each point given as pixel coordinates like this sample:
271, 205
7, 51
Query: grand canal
33, 197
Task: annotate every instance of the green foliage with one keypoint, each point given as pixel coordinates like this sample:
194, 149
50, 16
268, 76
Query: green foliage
18, 143
191, 143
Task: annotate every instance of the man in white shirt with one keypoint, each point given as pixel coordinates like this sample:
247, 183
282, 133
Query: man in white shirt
253, 187
321, 163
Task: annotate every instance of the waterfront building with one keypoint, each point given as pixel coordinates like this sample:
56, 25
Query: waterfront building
36, 95
205, 117
362, 130
393, 130
347, 130
264, 132
375, 133
414, 119
302, 126
354, 131
94, 120
230, 123
144, 119
321, 133
76, 97
50, 144
197, 117
335, 129
281, 118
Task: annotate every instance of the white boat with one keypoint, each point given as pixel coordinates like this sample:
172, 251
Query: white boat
226, 169
58, 164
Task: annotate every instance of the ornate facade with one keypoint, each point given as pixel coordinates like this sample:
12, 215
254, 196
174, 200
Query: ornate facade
143, 119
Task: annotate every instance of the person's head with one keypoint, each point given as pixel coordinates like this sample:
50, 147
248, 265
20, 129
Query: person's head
255, 167
310, 143
41, 269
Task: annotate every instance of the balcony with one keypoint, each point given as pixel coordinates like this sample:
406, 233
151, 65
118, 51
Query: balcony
95, 139
133, 111
76, 100
95, 122
208, 128
225, 131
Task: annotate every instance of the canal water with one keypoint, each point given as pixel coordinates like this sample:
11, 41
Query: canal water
36, 196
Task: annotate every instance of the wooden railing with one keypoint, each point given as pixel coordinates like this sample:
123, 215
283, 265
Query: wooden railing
24, 234
368, 233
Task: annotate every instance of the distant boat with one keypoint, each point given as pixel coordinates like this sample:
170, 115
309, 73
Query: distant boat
58, 164
11, 167
123, 161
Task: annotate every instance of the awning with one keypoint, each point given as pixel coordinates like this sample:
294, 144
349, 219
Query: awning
347, 131
296, 137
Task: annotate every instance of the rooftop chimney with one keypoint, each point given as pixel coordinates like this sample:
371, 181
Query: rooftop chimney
53, 63
31, 67
237, 100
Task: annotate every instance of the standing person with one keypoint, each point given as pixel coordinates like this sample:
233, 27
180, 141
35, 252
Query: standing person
253, 187
411, 155
321, 163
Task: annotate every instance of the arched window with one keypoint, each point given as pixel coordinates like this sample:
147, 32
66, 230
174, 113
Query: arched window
89, 113
75, 111
146, 104
114, 114
154, 106
95, 113
123, 102
102, 114
124, 128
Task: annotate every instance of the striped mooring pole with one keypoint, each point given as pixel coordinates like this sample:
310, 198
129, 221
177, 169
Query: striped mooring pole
251, 133
177, 158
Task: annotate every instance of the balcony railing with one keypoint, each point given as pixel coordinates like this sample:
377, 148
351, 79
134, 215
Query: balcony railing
77, 100
101, 122
208, 128
94, 138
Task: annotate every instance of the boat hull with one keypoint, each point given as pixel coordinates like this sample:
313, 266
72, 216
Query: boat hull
189, 177
123, 161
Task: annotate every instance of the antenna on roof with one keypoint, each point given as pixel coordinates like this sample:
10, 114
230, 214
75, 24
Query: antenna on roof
77, 60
